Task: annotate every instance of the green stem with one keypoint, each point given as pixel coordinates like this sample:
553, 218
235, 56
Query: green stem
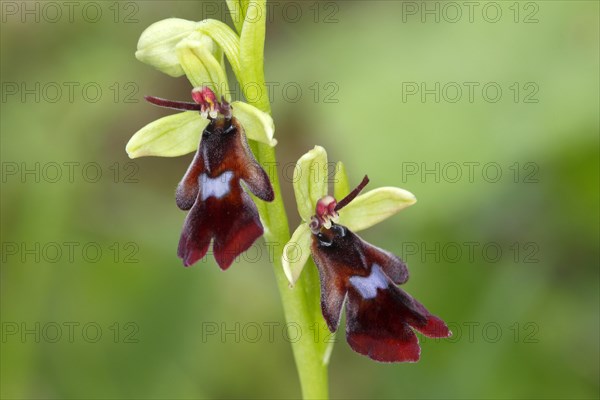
311, 367
300, 304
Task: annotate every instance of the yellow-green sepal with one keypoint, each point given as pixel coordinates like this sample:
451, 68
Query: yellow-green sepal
310, 181
258, 125
296, 252
171, 136
374, 206
341, 186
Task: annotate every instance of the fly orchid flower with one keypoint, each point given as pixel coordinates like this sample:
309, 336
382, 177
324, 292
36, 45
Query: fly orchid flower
196, 49
380, 316
220, 210
219, 207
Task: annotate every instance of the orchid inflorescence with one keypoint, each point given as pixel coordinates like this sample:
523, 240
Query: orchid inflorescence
224, 173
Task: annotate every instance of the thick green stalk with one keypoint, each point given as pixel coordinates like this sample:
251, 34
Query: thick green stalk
299, 314
299, 309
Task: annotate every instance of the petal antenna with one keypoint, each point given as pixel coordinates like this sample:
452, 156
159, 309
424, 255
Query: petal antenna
344, 202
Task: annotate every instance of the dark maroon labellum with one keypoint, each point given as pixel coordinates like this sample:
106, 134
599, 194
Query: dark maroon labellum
380, 316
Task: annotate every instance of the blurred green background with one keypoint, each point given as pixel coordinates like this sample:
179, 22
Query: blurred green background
119, 317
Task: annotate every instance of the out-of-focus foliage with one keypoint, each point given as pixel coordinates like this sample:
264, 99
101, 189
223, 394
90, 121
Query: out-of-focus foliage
526, 322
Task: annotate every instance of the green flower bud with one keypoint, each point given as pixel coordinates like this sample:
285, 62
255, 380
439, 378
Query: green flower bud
202, 62
157, 44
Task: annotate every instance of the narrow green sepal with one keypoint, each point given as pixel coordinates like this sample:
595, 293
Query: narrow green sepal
341, 186
310, 181
296, 252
